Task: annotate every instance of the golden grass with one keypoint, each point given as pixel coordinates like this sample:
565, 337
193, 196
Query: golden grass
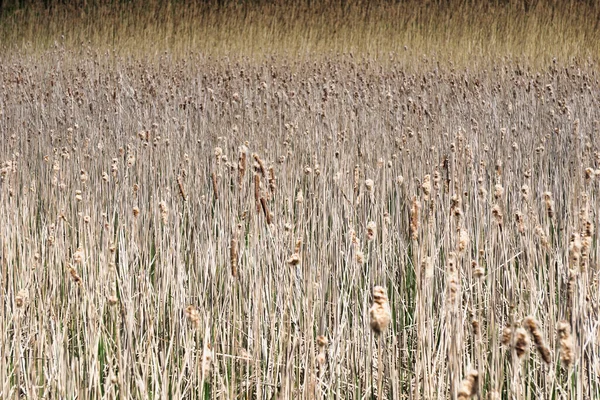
463, 32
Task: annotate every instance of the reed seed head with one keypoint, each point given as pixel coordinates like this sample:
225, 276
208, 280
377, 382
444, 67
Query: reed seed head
566, 343
371, 230
380, 312
534, 330
469, 386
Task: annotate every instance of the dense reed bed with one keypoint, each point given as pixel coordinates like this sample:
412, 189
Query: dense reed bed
191, 228
180, 220
468, 33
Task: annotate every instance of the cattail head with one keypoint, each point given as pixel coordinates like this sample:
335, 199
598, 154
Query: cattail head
265, 208
455, 205
414, 218
294, 259
193, 315
505, 336
589, 229
207, 359
215, 184
74, 275
322, 341
534, 330
380, 310
21, 298
272, 180
299, 197
498, 215
566, 343
521, 342
499, 162
114, 167
453, 282
360, 256
482, 192
589, 174
575, 247
539, 231
371, 230
463, 240
525, 192
498, 191
356, 179
370, 187
476, 326
426, 186
78, 256
520, 219
164, 211
478, 271
549, 204
259, 166
469, 386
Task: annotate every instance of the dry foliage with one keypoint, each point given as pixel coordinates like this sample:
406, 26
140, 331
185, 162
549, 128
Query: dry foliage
336, 227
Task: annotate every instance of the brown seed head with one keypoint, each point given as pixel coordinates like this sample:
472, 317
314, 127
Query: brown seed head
380, 310
566, 343
534, 330
21, 298
322, 341
371, 230
193, 315
468, 387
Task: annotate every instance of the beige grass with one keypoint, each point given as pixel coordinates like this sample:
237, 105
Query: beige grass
177, 225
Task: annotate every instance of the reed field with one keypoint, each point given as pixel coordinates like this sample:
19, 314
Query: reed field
312, 201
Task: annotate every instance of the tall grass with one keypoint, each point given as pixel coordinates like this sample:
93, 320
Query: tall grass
188, 224
464, 32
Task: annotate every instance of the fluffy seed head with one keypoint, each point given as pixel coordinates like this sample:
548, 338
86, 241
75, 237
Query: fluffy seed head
426, 185
371, 230
322, 341
21, 298
498, 191
193, 315
534, 330
566, 343
463, 240
380, 310
468, 387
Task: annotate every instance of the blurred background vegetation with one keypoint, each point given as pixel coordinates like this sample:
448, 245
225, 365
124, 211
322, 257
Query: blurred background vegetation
458, 31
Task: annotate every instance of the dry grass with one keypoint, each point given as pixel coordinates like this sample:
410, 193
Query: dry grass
467, 33
202, 227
